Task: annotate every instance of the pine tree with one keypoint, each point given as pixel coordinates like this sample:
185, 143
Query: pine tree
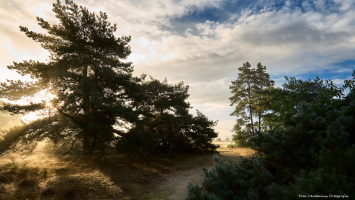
93, 87
262, 95
243, 97
166, 124
251, 100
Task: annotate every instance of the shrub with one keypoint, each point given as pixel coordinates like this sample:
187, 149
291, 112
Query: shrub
231, 146
233, 181
241, 138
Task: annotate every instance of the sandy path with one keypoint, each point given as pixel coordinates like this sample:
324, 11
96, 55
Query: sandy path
175, 185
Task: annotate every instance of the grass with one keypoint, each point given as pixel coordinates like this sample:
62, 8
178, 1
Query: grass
19, 182
45, 175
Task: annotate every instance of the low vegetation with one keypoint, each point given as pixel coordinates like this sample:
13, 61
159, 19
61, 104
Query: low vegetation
48, 175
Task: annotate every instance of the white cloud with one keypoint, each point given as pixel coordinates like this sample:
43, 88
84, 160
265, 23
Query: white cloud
206, 56
339, 82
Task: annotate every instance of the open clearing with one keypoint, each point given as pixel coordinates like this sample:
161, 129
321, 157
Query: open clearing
45, 175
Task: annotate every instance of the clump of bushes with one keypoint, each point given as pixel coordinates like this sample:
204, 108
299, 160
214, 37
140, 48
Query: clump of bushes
166, 125
232, 145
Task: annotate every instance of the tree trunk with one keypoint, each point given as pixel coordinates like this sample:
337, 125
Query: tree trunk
87, 134
251, 120
250, 110
87, 148
259, 121
86, 95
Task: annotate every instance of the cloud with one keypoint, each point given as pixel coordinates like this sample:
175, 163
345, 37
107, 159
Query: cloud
203, 42
339, 82
289, 41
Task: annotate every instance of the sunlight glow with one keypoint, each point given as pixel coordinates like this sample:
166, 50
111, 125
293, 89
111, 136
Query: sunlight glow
49, 105
43, 96
39, 114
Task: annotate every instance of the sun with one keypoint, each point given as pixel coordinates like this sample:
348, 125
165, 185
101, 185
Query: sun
39, 114
44, 97
49, 104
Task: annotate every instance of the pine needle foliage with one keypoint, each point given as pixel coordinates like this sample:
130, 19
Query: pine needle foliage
251, 101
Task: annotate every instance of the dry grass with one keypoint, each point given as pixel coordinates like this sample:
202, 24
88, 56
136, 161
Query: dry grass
234, 154
44, 175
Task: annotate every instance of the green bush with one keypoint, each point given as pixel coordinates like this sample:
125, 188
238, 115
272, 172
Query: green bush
232, 146
233, 181
241, 138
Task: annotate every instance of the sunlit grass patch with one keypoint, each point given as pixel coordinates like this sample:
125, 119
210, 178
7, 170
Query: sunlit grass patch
45, 174
80, 188
19, 182
22, 182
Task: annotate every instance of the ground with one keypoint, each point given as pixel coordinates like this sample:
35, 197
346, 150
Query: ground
46, 175
174, 187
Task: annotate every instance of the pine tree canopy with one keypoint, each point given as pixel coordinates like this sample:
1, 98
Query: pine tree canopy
250, 98
86, 72
166, 124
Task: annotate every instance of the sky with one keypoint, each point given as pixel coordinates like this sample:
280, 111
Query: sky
203, 42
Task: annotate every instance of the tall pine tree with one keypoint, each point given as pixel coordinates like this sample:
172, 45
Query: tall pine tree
262, 86
243, 97
250, 99
93, 86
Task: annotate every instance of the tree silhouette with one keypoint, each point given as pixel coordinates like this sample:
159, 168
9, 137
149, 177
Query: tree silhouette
95, 100
93, 87
166, 124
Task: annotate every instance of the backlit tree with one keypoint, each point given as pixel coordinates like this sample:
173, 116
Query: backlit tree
93, 86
